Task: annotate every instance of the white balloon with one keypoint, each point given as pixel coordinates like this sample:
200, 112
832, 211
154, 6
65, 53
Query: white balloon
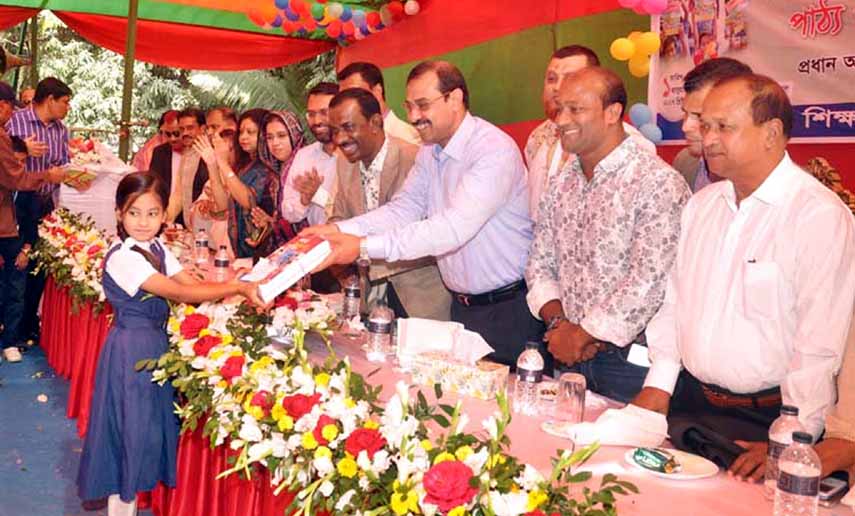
411, 7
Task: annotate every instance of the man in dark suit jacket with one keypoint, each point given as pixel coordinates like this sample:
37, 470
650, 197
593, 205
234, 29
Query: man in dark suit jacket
191, 123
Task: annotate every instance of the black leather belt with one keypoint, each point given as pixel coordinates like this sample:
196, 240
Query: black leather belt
489, 298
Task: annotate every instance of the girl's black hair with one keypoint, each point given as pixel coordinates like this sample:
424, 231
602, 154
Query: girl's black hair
130, 188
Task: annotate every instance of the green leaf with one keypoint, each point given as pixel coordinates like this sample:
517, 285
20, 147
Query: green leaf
437, 390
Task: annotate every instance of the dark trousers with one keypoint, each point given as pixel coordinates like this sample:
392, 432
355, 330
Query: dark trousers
12, 282
30, 208
506, 326
610, 373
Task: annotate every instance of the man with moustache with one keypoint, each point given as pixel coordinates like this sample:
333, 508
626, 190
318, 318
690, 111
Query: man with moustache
374, 169
181, 167
543, 152
465, 202
759, 302
310, 186
607, 240
369, 77
697, 84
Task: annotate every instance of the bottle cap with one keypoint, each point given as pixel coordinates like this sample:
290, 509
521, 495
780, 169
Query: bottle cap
532, 344
802, 437
789, 410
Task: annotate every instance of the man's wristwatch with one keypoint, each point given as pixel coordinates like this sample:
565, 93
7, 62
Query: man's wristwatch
363, 259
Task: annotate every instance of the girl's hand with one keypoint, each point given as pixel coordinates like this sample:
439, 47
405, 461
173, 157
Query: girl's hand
249, 290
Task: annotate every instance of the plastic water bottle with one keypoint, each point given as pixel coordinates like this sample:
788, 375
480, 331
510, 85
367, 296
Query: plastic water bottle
352, 294
379, 328
201, 245
799, 468
221, 265
780, 436
529, 375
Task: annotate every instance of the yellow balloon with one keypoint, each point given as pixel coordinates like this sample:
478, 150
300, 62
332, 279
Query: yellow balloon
648, 43
622, 49
639, 66
634, 35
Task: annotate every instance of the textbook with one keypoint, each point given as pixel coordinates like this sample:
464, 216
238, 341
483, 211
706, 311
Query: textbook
287, 265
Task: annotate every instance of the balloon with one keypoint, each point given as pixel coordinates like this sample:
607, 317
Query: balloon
651, 131
289, 27
622, 49
277, 22
411, 7
654, 6
629, 4
334, 29
317, 11
348, 29
648, 43
385, 16
639, 65
634, 35
396, 9
291, 15
640, 114
373, 19
281, 4
334, 10
358, 17
346, 14
310, 24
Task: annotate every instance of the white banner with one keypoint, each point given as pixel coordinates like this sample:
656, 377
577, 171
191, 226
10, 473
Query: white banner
807, 46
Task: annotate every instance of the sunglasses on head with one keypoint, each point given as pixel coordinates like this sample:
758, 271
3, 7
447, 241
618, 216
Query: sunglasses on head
174, 134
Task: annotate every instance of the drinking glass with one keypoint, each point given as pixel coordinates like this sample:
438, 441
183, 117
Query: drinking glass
571, 404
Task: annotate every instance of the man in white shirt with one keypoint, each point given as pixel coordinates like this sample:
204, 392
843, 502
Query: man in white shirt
758, 305
543, 153
369, 77
310, 187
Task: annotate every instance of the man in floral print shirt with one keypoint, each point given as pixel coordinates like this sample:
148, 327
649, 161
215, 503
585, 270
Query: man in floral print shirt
606, 237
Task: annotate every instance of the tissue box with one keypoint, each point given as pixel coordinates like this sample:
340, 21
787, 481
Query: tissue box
482, 381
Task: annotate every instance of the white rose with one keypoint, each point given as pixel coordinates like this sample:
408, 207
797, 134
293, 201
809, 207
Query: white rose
326, 488
510, 504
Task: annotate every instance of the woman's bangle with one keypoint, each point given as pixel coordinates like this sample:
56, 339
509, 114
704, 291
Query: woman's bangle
554, 322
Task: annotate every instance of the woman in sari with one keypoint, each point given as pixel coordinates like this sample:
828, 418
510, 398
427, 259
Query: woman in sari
251, 185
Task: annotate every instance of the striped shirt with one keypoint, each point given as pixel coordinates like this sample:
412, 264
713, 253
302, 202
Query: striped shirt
24, 123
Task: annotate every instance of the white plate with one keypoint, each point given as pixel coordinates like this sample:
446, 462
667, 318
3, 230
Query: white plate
694, 466
557, 428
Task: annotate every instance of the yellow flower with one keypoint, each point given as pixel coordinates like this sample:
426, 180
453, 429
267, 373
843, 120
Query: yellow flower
443, 457
347, 467
309, 441
536, 498
403, 503
217, 353
204, 331
236, 353
188, 310
349, 403
277, 411
372, 425
322, 379
285, 423
426, 445
495, 460
460, 510
463, 453
222, 384
260, 364
329, 432
174, 325
256, 412
227, 339
323, 451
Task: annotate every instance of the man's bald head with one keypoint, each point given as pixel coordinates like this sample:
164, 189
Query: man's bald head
609, 85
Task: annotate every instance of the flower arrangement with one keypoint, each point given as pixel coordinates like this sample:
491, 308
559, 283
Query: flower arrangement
71, 249
320, 431
83, 152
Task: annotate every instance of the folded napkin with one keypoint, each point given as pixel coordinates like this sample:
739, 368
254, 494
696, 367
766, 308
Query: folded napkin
629, 426
691, 435
421, 335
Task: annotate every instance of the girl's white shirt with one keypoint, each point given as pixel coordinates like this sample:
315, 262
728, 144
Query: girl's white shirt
129, 269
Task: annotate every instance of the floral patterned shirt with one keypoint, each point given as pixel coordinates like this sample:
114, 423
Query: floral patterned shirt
604, 247
371, 177
546, 132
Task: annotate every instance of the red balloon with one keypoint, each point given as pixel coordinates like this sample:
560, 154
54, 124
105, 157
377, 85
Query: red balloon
289, 27
309, 24
396, 9
334, 29
373, 19
348, 29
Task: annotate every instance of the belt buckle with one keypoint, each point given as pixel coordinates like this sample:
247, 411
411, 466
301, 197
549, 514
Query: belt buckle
463, 299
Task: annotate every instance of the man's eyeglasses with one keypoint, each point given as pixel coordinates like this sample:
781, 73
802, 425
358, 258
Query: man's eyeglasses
422, 104
174, 134
227, 133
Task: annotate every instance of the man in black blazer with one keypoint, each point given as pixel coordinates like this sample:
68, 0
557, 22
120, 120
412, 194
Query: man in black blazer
191, 123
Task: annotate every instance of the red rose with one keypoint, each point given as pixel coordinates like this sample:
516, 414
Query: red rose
285, 300
233, 367
205, 344
447, 485
93, 249
299, 405
263, 399
366, 439
323, 421
193, 324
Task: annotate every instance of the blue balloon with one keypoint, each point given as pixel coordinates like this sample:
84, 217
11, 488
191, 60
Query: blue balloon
291, 15
652, 132
364, 30
277, 22
346, 14
640, 114
281, 4
358, 16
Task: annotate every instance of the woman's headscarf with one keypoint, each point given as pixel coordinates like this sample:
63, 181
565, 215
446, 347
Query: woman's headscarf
283, 230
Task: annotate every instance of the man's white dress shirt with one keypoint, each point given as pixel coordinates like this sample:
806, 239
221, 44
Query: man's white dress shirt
307, 158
